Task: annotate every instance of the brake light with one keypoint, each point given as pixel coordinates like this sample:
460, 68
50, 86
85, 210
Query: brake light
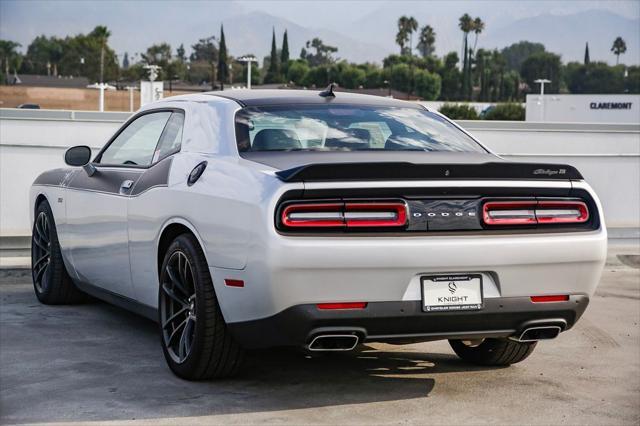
344, 215
562, 212
509, 213
313, 215
348, 305
552, 298
375, 214
534, 212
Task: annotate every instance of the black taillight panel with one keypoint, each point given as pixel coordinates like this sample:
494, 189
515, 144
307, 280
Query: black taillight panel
415, 214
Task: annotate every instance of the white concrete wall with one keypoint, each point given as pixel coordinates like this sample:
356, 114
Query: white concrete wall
607, 155
583, 108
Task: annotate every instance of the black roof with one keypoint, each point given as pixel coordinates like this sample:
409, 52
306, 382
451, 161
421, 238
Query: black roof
268, 97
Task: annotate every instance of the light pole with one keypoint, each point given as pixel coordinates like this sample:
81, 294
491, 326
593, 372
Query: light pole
248, 60
542, 82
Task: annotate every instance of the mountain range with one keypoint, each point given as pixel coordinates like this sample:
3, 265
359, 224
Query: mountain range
362, 31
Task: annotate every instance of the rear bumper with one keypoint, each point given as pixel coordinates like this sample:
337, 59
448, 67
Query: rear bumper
388, 321
293, 271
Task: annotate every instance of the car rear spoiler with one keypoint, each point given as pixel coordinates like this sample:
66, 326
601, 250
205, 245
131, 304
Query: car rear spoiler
413, 171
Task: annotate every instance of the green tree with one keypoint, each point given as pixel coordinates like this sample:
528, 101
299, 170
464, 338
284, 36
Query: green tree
317, 76
374, 78
44, 55
223, 70
459, 111
450, 77
157, 54
402, 36
10, 59
352, 77
632, 80
595, 77
478, 27
180, 53
506, 112
619, 47
125, 61
516, 54
284, 53
102, 34
427, 85
586, 55
406, 27
297, 72
427, 41
204, 58
273, 72
466, 26
323, 53
542, 65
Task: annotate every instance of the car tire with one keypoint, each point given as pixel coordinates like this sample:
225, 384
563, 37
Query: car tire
51, 282
188, 306
494, 352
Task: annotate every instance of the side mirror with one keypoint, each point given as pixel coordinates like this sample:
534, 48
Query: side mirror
80, 156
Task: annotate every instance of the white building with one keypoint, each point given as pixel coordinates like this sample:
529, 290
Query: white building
584, 108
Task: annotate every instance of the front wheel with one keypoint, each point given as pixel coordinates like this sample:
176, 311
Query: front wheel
495, 352
51, 282
195, 340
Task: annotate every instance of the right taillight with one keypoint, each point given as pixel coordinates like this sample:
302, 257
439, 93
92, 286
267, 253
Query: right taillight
534, 212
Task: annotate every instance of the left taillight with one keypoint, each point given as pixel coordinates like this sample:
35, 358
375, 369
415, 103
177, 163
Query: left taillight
534, 212
344, 215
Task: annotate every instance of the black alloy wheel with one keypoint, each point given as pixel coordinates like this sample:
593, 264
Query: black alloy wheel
178, 307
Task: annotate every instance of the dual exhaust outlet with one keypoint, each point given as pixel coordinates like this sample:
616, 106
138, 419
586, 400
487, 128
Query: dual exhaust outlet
348, 342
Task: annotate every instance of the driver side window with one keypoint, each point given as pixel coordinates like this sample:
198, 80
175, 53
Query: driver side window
136, 144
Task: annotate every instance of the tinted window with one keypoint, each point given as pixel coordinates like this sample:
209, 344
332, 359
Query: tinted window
347, 128
171, 137
136, 144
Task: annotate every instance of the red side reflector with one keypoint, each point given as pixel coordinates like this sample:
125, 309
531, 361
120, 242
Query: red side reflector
553, 298
349, 305
233, 283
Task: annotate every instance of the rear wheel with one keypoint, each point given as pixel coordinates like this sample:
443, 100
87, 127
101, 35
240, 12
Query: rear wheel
51, 282
195, 340
492, 351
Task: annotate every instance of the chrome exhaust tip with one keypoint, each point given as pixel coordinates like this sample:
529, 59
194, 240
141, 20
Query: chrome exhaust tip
543, 332
333, 342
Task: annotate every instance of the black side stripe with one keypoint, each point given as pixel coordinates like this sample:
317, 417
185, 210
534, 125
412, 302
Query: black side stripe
157, 175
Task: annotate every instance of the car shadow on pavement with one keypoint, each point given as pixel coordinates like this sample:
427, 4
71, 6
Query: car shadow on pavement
98, 362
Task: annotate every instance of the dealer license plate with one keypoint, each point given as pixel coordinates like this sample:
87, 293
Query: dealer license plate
452, 292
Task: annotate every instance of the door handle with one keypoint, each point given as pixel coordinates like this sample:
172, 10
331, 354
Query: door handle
126, 186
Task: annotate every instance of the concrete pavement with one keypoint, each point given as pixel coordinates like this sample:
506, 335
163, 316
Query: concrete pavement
97, 363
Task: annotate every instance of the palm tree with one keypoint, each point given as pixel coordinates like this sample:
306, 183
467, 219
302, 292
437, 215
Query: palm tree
427, 41
412, 25
403, 34
618, 48
466, 25
478, 26
102, 34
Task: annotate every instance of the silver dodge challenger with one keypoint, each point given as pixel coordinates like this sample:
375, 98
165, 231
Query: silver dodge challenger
323, 220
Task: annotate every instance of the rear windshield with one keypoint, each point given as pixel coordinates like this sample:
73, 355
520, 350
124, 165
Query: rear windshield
347, 128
